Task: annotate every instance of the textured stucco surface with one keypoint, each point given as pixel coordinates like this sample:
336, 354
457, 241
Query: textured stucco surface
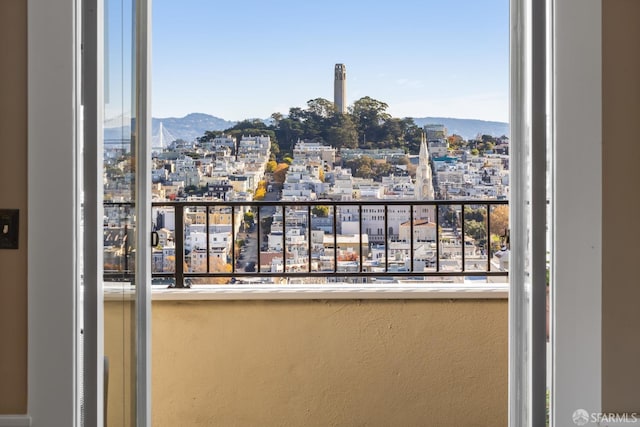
119, 346
330, 363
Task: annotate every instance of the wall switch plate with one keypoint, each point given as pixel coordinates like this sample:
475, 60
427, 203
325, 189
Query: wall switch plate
9, 228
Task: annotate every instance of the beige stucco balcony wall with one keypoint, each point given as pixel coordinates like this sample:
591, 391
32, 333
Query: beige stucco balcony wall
319, 362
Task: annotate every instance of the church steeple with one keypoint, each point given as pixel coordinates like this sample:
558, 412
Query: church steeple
424, 181
424, 150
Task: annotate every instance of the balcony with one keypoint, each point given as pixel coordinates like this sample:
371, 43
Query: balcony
356, 332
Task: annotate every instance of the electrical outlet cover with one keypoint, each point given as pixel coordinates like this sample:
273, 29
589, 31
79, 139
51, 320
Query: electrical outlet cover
9, 228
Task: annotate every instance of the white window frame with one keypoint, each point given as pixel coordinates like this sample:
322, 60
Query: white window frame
576, 291
53, 97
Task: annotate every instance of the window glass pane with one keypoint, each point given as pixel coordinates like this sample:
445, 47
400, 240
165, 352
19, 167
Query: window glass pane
119, 242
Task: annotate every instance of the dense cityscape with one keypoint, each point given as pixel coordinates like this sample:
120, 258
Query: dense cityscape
242, 168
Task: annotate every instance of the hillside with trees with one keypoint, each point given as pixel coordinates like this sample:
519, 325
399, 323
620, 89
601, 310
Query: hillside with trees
367, 124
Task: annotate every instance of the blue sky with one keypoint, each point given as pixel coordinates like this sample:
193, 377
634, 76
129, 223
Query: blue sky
249, 58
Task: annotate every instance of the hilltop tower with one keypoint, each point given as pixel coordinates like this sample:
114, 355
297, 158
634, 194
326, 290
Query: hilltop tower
424, 180
340, 88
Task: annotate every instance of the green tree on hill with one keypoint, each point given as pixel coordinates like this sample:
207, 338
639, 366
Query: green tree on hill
321, 211
367, 167
367, 124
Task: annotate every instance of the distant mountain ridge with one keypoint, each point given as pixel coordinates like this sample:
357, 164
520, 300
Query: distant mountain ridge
194, 125
466, 128
190, 126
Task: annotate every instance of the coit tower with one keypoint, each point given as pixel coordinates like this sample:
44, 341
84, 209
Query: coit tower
340, 88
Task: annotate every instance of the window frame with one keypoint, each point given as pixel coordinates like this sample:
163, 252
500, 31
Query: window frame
53, 334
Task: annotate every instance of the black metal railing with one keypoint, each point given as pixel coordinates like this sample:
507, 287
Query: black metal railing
448, 218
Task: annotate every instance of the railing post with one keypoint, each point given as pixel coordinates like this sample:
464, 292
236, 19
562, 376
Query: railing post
309, 234
411, 235
360, 234
462, 233
335, 238
179, 245
488, 237
284, 239
207, 236
437, 238
233, 239
125, 240
258, 238
387, 239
